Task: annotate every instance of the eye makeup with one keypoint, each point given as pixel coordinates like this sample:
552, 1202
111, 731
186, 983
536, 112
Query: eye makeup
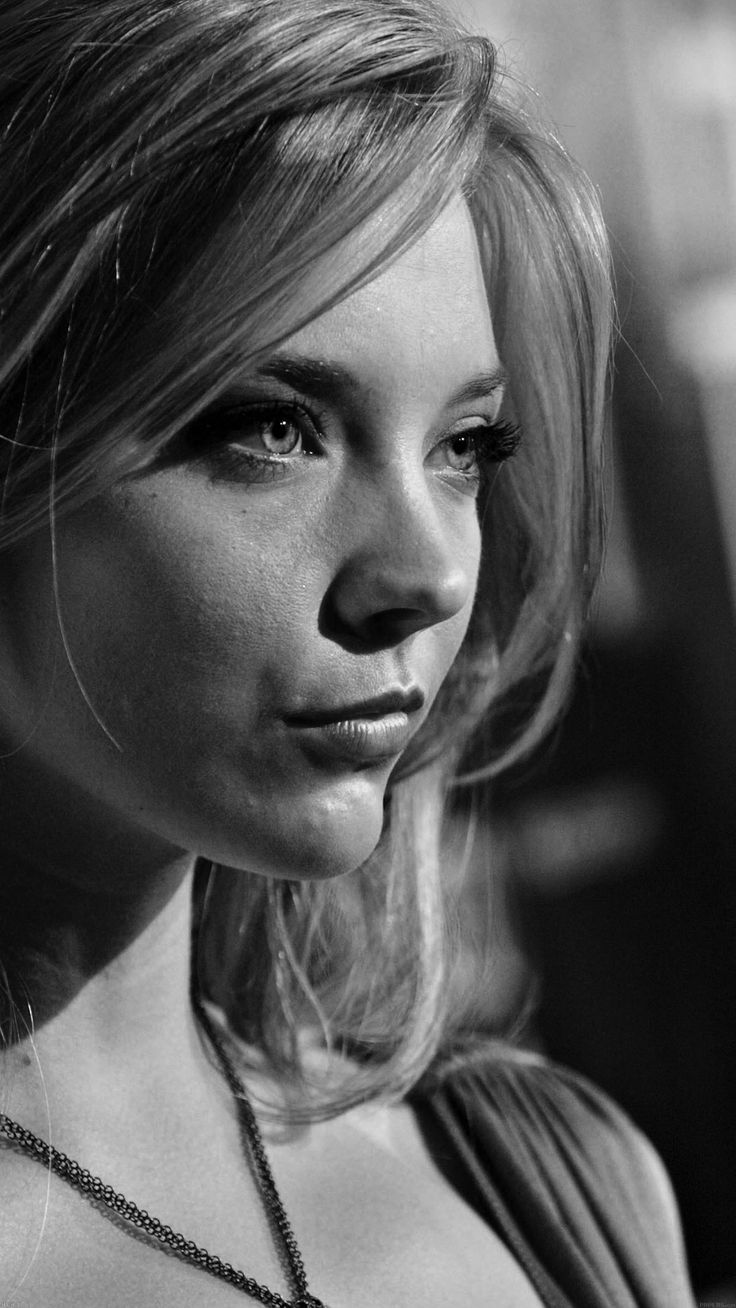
465, 457
257, 437
493, 442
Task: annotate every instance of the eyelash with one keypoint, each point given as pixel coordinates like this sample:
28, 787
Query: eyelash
207, 440
494, 442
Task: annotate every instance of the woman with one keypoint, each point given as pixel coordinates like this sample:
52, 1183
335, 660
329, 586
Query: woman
282, 283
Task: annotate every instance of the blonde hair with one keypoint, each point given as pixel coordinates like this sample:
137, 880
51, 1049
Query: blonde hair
136, 136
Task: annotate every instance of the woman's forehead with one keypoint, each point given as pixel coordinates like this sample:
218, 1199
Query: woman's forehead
424, 320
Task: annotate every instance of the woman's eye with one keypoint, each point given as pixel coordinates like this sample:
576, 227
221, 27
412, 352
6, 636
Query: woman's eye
462, 451
270, 432
254, 441
468, 450
278, 435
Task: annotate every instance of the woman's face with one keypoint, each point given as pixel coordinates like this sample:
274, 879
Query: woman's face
262, 622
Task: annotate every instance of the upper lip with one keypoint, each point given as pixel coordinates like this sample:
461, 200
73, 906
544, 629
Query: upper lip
401, 700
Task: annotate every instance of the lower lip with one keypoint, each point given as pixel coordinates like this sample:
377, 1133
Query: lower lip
362, 740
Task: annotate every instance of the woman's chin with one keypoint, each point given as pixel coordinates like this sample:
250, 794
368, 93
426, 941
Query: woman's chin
307, 841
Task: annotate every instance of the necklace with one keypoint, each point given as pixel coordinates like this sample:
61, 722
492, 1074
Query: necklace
80, 1179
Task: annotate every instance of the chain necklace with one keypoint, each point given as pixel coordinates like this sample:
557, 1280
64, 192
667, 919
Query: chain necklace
80, 1179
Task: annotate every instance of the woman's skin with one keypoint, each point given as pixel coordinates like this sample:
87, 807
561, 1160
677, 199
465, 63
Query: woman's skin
207, 609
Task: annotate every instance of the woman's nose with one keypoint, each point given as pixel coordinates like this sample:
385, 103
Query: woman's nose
405, 567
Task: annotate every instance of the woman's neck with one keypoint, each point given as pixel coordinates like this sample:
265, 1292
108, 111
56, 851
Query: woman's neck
96, 1008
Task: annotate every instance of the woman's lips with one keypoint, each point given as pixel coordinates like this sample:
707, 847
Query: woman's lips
371, 731
361, 740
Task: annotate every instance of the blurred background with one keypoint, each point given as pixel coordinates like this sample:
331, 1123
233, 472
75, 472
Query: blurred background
613, 893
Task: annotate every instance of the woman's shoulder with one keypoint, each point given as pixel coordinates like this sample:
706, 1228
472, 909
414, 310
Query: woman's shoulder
542, 1109
545, 1105
540, 1139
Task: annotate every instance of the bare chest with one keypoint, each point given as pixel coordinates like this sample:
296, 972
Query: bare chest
375, 1221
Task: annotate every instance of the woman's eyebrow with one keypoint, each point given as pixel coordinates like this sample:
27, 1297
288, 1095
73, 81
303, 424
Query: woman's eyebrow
481, 387
332, 381
317, 377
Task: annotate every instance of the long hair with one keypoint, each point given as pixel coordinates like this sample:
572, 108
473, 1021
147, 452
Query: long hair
136, 136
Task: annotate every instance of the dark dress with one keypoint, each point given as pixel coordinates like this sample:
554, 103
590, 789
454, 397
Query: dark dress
561, 1175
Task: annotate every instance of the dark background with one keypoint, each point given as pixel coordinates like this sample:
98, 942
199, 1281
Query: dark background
614, 852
